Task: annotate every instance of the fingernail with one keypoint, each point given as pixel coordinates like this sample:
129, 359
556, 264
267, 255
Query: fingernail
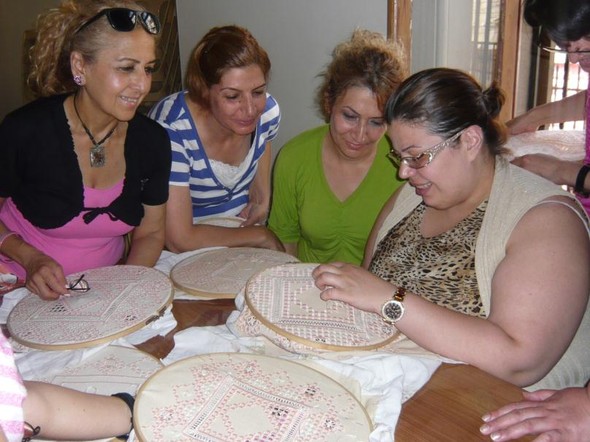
484, 429
485, 417
495, 436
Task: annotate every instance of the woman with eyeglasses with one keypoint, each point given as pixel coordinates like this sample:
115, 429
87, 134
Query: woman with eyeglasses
79, 167
567, 23
473, 259
330, 182
221, 130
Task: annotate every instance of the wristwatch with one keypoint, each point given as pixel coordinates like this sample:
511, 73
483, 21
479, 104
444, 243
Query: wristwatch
393, 310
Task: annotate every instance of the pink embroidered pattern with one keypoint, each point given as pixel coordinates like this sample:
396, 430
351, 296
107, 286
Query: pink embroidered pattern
223, 273
232, 397
111, 370
121, 299
284, 305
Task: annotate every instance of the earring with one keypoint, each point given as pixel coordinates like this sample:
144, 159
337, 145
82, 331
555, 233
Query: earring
78, 80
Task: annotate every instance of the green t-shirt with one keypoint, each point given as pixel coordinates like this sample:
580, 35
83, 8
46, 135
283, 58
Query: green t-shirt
306, 212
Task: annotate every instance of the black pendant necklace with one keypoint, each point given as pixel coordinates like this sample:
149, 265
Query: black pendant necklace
98, 156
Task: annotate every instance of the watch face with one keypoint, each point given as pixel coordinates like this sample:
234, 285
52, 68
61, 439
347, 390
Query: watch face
393, 310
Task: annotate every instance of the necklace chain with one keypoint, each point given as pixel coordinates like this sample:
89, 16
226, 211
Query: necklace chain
97, 153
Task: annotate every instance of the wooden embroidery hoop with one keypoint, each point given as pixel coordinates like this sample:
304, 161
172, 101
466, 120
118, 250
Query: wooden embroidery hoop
223, 221
228, 393
316, 324
222, 273
130, 297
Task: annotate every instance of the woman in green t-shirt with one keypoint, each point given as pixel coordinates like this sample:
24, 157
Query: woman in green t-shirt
330, 182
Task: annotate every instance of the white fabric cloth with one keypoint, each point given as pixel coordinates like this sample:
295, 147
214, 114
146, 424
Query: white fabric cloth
567, 145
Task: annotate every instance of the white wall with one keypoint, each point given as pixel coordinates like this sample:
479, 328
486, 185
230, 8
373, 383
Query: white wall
298, 35
441, 34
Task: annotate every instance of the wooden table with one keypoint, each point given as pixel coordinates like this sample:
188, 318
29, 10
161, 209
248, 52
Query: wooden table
448, 408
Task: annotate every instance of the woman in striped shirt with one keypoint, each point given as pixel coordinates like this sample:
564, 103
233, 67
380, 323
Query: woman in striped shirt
221, 129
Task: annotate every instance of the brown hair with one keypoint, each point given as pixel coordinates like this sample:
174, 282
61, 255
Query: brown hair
447, 101
220, 49
57, 38
368, 59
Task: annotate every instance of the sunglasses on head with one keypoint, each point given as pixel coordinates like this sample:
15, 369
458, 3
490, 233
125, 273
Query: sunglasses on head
124, 20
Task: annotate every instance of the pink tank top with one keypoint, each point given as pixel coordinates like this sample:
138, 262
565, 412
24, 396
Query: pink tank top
76, 246
586, 201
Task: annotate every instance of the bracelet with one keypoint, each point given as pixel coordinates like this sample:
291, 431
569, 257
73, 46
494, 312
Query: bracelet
30, 432
130, 401
578, 188
7, 235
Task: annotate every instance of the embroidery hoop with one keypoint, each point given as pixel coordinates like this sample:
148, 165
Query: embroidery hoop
223, 221
222, 273
130, 298
285, 299
220, 397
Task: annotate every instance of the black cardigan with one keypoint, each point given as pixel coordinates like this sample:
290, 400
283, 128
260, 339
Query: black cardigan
39, 168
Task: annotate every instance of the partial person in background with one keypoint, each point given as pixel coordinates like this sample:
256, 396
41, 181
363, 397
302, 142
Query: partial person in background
330, 182
552, 415
567, 23
221, 129
474, 259
53, 412
79, 167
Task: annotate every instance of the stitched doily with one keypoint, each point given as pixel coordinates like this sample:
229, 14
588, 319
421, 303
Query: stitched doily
285, 300
121, 300
222, 273
114, 369
568, 145
234, 397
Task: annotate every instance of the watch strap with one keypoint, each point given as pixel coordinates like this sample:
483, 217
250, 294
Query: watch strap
581, 179
399, 294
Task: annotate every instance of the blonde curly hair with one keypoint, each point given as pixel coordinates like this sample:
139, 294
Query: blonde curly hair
367, 59
57, 36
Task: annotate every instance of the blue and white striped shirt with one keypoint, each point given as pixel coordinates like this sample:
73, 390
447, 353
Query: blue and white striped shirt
191, 167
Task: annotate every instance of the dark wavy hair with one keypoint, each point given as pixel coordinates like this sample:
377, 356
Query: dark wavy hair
563, 20
446, 101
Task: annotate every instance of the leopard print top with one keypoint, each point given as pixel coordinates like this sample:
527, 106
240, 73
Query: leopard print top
440, 269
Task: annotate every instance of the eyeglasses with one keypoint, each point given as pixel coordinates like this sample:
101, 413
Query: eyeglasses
540, 39
80, 285
124, 20
426, 157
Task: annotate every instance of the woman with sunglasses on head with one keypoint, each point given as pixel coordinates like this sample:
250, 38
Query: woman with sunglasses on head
221, 129
473, 258
567, 23
79, 168
330, 182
